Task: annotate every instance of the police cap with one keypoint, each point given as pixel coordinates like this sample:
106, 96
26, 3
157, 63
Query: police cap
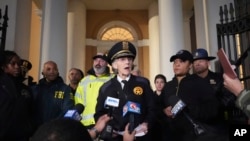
122, 49
183, 55
26, 65
201, 53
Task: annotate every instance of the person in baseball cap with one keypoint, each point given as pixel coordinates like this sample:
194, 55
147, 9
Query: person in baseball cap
121, 49
201, 53
26, 65
183, 55
101, 55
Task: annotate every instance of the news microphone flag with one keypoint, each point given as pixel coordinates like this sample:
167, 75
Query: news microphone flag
111, 102
75, 113
131, 107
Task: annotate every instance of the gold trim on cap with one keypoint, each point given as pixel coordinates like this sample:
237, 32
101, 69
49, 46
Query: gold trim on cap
120, 52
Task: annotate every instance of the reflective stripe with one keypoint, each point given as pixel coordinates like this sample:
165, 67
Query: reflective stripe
86, 117
85, 83
89, 80
89, 90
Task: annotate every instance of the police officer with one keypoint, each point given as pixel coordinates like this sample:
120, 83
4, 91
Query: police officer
15, 100
229, 113
201, 65
201, 105
134, 89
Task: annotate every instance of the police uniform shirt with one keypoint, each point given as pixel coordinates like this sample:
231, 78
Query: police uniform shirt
120, 80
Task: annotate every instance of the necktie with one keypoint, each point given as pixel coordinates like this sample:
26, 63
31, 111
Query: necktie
125, 82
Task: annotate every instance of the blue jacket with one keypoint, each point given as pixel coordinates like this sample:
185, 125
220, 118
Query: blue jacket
51, 100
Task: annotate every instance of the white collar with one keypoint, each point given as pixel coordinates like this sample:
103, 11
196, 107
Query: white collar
120, 79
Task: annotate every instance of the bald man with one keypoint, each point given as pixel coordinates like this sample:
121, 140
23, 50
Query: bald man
52, 97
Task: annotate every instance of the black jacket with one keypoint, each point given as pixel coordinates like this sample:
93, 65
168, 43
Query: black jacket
15, 109
200, 100
216, 81
138, 90
227, 100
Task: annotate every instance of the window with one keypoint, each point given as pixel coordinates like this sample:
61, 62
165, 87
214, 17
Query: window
117, 34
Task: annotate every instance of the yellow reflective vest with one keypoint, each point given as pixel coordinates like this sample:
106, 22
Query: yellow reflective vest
87, 93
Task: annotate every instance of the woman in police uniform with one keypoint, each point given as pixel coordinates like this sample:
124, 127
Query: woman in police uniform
135, 89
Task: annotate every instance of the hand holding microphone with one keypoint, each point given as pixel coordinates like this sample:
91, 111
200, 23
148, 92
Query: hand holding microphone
177, 105
99, 126
110, 103
167, 111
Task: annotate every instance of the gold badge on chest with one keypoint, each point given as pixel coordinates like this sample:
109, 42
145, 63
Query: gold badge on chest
138, 90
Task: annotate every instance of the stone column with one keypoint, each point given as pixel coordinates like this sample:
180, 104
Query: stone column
171, 33
22, 32
154, 46
54, 34
76, 35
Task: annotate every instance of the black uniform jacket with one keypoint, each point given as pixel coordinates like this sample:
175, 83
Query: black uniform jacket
216, 81
15, 109
200, 100
138, 90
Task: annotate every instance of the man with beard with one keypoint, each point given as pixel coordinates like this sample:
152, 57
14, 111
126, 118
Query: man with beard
201, 68
88, 88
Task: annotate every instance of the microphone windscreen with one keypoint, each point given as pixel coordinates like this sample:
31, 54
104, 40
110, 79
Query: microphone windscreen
79, 108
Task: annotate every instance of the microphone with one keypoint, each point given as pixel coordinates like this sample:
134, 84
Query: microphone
75, 113
131, 108
110, 103
177, 105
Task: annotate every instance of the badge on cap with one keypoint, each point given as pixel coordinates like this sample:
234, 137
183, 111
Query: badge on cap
197, 54
125, 45
180, 52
